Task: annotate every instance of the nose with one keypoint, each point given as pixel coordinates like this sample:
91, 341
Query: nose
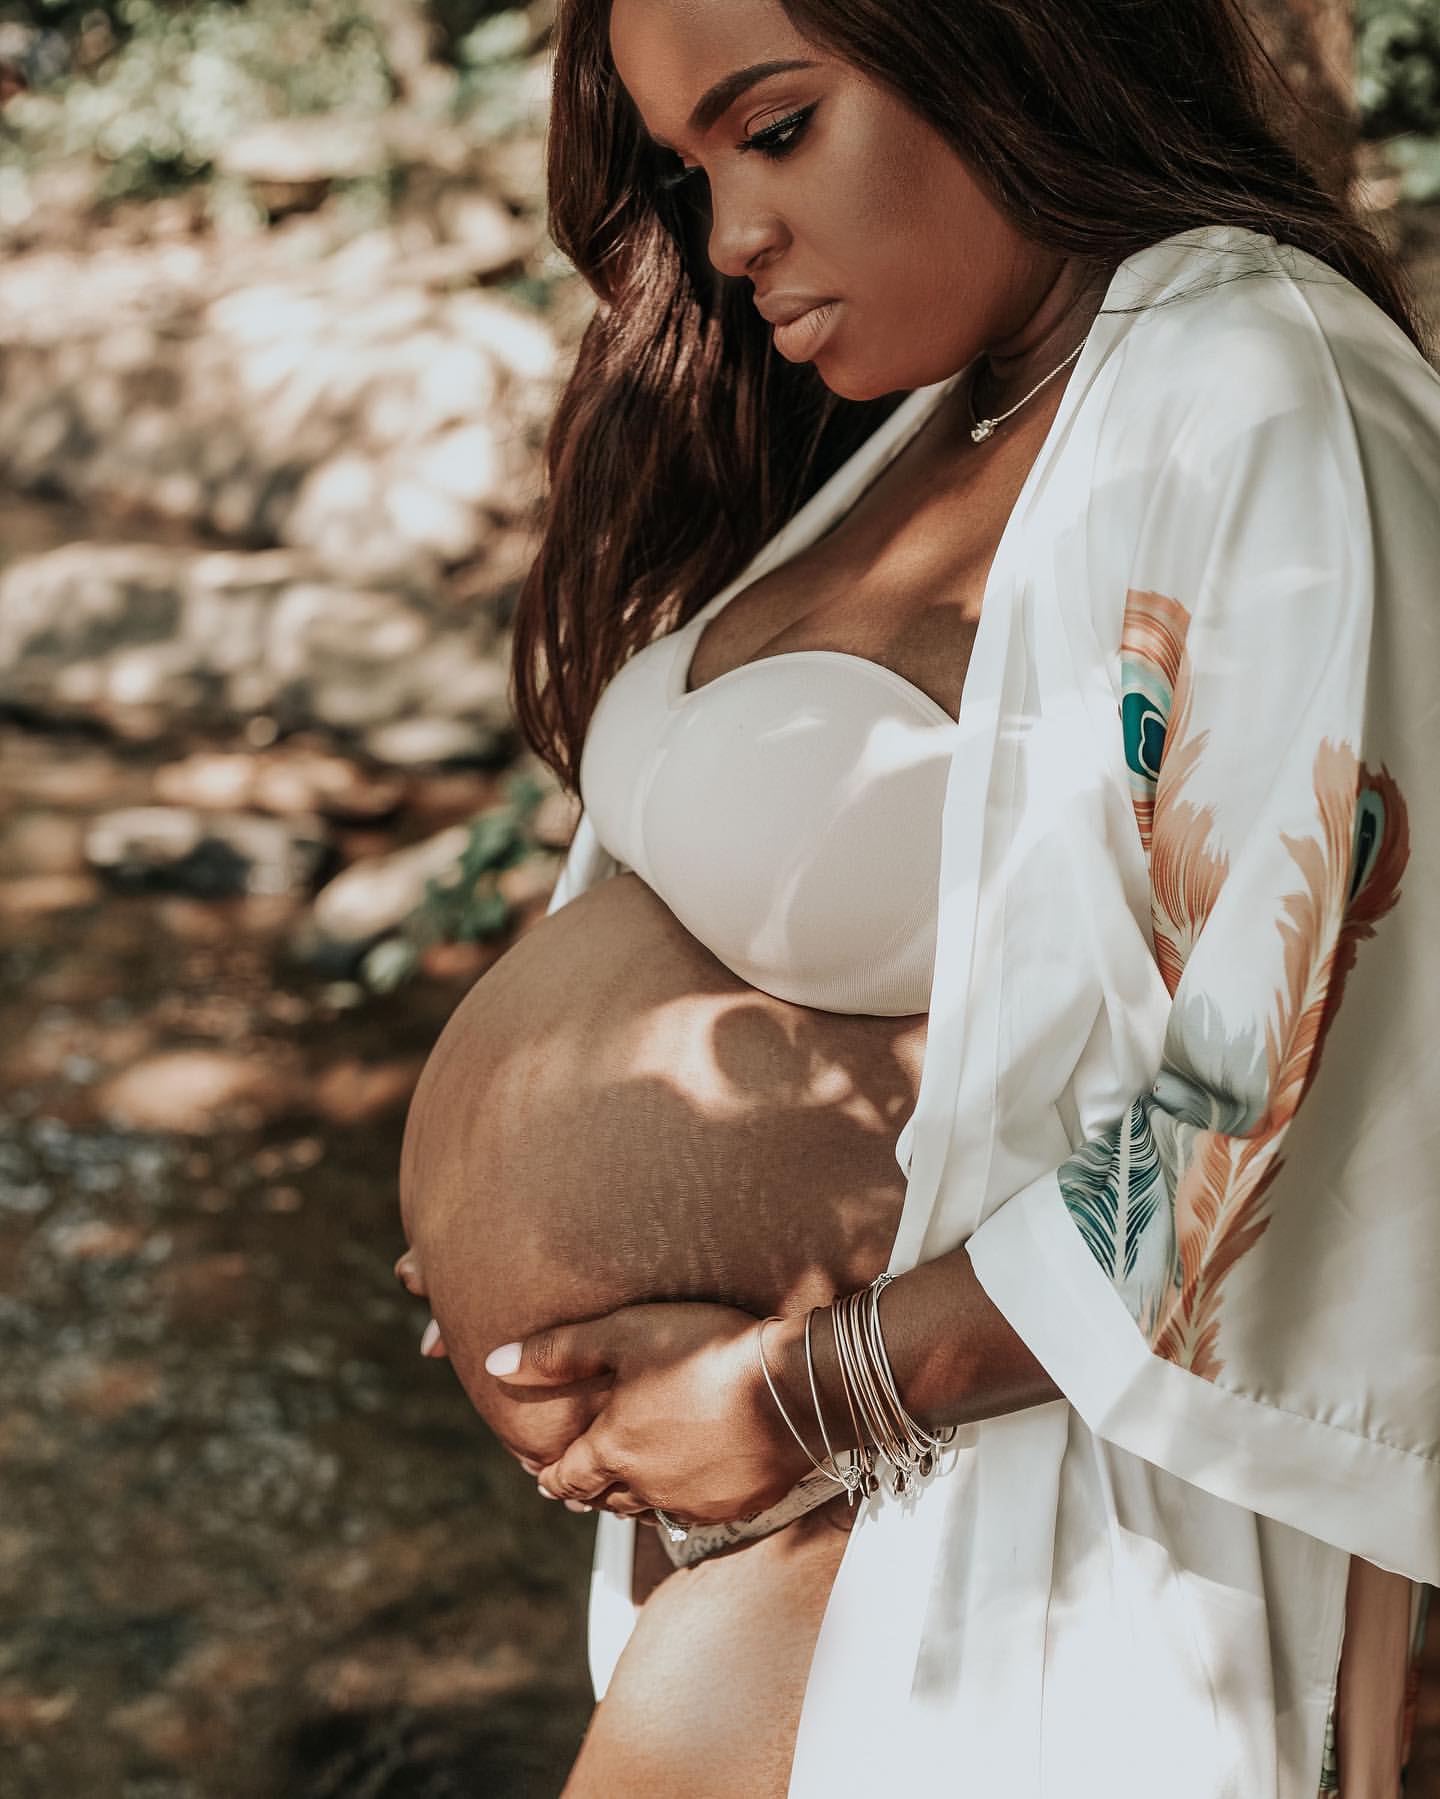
742, 232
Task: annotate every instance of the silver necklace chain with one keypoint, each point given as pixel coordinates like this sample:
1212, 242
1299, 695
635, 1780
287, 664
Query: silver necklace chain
980, 429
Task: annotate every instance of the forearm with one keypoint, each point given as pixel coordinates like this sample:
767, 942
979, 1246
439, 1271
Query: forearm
954, 1355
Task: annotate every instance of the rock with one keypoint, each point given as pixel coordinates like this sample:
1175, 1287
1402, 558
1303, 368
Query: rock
374, 896
353, 1092
208, 853
340, 516
42, 843
97, 1241
515, 169
489, 233
197, 1091
285, 391
517, 339
115, 1389
462, 464
430, 520
33, 896
142, 639
303, 150
436, 742
455, 962
289, 782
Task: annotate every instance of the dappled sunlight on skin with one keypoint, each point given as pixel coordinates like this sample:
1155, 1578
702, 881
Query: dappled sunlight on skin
610, 1117
706, 1698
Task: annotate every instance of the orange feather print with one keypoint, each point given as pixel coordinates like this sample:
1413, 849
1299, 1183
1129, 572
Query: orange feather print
1185, 874
1351, 879
1310, 932
1154, 632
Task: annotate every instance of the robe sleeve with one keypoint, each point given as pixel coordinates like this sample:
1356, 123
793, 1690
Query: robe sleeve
1238, 1278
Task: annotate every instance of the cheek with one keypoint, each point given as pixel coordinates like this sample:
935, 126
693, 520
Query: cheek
921, 254
892, 190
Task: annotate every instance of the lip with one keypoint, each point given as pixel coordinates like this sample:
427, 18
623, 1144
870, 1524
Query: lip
801, 336
786, 305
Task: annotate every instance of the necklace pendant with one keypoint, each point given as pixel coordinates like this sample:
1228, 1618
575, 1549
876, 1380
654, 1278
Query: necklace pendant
982, 429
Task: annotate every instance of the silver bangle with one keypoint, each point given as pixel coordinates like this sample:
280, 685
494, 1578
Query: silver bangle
870, 1385
851, 1475
819, 1467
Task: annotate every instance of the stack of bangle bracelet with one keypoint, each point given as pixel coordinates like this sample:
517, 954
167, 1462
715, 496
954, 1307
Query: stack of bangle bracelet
879, 1421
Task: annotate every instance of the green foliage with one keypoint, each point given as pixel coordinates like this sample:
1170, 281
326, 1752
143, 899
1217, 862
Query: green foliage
1397, 45
182, 80
151, 90
493, 65
470, 906
1418, 161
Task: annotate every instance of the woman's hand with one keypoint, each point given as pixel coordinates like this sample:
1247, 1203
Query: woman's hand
687, 1423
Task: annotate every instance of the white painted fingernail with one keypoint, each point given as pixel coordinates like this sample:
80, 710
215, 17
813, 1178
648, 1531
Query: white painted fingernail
545, 1492
504, 1360
431, 1337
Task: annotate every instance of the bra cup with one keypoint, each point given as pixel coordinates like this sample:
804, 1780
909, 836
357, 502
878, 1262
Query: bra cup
788, 813
621, 748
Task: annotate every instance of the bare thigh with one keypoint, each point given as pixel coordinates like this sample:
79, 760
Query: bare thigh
705, 1701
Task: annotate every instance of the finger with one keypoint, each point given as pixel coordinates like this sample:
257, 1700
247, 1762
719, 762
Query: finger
619, 1500
624, 1504
553, 1418
432, 1343
580, 1473
554, 1358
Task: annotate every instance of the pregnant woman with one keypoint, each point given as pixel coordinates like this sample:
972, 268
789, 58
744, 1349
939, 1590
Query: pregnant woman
988, 610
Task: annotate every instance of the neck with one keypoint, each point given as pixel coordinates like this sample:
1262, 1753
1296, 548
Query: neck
1056, 325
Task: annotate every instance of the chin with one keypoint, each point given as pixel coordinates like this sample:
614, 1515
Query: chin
848, 384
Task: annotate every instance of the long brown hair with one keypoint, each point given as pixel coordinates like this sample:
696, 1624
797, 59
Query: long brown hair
683, 441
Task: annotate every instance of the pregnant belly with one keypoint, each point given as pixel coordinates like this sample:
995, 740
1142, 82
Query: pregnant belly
611, 1116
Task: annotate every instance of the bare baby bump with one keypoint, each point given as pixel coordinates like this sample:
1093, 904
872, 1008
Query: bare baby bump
611, 1116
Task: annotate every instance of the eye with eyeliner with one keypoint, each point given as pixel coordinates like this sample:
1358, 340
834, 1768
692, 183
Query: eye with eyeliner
779, 139
774, 142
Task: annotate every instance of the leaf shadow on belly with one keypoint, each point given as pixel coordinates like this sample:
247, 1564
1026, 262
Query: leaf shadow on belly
618, 1118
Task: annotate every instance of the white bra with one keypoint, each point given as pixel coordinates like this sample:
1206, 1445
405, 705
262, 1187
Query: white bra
787, 812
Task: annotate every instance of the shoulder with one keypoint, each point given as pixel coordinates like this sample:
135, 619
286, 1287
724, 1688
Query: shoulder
1252, 381
1265, 435
1232, 332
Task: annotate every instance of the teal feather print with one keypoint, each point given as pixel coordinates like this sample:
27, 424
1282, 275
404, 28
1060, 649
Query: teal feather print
1151, 650
1113, 1186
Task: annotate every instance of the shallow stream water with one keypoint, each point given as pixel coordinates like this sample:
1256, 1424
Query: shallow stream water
252, 1545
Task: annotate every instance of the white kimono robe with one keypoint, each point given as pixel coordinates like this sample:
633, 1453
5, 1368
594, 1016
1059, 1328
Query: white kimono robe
1189, 781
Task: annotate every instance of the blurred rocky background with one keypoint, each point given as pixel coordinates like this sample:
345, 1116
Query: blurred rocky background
280, 331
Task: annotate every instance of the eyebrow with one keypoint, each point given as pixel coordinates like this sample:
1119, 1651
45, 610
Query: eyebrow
717, 100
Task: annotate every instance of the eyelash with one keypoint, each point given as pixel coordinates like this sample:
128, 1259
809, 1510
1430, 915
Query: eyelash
770, 144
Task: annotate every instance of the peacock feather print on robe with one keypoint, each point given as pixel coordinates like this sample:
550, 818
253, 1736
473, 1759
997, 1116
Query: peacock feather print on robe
1173, 1197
